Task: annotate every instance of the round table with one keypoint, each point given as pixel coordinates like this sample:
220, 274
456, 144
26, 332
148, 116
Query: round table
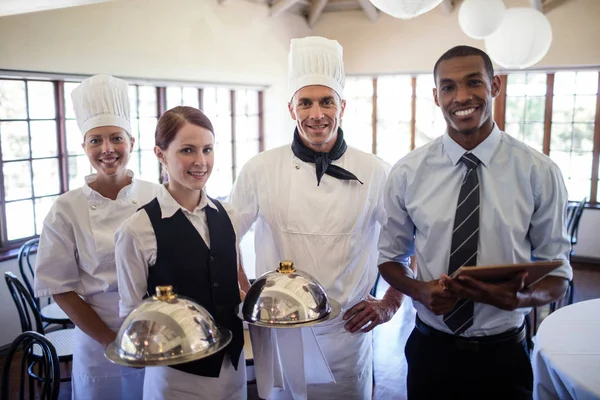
566, 357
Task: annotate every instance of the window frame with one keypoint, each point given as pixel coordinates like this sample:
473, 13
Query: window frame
8, 249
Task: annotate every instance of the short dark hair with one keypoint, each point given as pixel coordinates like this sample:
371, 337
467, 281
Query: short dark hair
465, 51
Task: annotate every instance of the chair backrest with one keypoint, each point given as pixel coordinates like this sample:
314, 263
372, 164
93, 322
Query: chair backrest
47, 367
26, 267
573, 225
26, 306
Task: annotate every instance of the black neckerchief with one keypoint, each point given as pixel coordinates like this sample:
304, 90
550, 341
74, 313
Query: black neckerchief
323, 161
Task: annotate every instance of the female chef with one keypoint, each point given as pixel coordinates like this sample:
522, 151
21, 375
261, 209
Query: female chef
76, 256
187, 240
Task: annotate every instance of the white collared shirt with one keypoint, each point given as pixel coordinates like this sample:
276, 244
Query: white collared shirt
136, 246
76, 250
522, 215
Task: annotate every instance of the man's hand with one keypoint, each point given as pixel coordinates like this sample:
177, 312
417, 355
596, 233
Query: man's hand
436, 298
369, 311
505, 296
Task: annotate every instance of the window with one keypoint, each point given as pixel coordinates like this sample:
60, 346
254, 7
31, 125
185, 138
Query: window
30, 167
572, 138
40, 143
394, 117
526, 107
555, 113
357, 121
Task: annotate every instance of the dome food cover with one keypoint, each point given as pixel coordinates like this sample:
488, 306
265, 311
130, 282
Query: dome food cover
166, 329
287, 298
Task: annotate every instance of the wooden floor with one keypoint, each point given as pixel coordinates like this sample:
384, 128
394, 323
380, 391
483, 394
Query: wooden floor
390, 366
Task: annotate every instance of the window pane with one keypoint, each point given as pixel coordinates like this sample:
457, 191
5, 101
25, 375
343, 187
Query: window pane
223, 156
219, 184
46, 179
531, 134
14, 137
358, 86
42, 207
393, 140
564, 82
133, 101
394, 98
515, 109
41, 100
586, 82
190, 97
246, 128
43, 139
216, 101
425, 85
585, 108
135, 133
17, 180
562, 108
150, 170
536, 109
561, 137
74, 138
68, 88
134, 164
12, 100
19, 220
147, 101
245, 150
173, 97
583, 137
358, 116
79, 168
147, 130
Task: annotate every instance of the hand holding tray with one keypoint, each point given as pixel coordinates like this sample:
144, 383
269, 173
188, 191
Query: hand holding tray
504, 272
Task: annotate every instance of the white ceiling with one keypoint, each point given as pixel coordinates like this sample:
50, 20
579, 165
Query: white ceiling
11, 7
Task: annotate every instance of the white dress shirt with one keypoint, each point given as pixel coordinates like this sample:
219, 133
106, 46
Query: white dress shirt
136, 245
522, 212
76, 250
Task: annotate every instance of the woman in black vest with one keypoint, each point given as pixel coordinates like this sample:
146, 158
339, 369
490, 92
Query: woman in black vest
185, 239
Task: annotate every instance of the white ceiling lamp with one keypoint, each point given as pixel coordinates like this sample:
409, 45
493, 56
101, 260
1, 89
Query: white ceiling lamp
522, 40
405, 9
480, 18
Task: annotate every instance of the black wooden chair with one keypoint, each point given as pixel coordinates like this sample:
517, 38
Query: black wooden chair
50, 312
37, 353
29, 315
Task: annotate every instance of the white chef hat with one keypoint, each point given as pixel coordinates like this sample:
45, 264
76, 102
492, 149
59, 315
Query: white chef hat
315, 60
101, 100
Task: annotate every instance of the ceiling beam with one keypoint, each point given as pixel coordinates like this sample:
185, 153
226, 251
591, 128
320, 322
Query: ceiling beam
369, 9
316, 9
282, 6
537, 4
447, 6
223, 2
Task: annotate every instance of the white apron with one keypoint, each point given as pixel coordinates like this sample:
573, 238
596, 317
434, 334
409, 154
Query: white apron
330, 231
93, 376
168, 383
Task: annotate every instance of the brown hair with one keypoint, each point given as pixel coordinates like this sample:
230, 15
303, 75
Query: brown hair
172, 120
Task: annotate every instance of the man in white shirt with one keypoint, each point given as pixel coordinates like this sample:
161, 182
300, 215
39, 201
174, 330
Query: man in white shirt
319, 204
474, 196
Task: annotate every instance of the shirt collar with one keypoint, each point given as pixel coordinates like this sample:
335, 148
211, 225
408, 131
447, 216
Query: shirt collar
484, 151
124, 193
169, 206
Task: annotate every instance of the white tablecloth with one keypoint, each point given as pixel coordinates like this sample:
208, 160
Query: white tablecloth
566, 357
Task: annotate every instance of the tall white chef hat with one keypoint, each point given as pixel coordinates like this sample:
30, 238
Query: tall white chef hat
101, 100
315, 60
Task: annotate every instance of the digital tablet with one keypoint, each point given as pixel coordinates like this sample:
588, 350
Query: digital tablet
505, 272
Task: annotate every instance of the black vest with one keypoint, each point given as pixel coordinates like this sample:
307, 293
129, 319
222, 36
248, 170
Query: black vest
207, 276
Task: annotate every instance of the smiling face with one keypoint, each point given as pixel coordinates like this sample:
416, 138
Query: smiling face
317, 111
464, 92
108, 149
189, 158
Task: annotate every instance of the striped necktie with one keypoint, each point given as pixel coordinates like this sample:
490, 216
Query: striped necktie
463, 251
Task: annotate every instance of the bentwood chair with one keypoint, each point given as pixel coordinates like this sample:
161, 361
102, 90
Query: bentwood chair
36, 353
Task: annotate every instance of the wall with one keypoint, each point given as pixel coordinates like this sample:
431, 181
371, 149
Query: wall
193, 40
392, 45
